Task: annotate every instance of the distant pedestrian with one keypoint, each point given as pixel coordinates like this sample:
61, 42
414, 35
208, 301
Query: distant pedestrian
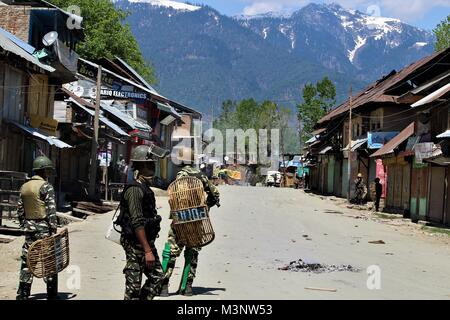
307, 180
378, 193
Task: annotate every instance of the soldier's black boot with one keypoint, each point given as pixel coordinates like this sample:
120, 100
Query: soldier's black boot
164, 291
52, 288
188, 290
24, 291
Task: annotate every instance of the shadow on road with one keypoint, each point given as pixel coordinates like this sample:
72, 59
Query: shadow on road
62, 296
206, 291
203, 291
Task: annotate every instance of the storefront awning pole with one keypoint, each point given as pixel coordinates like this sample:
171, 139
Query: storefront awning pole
94, 145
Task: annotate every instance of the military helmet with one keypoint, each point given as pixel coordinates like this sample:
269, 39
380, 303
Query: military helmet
360, 175
142, 154
41, 163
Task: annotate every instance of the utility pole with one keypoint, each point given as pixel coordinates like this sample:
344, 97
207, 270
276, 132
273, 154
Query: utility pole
349, 161
94, 145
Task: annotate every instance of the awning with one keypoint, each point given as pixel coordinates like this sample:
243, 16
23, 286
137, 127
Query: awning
446, 134
433, 96
16, 48
168, 109
313, 139
431, 83
395, 142
356, 144
104, 120
325, 150
438, 158
125, 118
42, 136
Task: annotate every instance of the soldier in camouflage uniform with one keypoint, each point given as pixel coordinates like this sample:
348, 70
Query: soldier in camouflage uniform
37, 217
173, 245
360, 190
139, 222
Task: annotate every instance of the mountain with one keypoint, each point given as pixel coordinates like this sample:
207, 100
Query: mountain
344, 40
203, 57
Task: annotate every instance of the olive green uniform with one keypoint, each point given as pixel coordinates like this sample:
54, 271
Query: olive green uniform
37, 217
190, 254
139, 209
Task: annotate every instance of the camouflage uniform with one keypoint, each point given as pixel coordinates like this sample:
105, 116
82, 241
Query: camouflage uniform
175, 246
360, 191
135, 255
37, 229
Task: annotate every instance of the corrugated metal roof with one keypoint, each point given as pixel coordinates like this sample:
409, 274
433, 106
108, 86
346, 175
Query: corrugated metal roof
356, 144
137, 75
313, 139
134, 84
325, 150
143, 88
25, 46
446, 134
104, 120
431, 83
433, 96
53, 141
125, 118
375, 92
169, 109
11, 46
396, 141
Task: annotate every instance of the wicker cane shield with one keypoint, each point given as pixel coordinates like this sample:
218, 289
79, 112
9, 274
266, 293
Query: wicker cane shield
49, 256
188, 209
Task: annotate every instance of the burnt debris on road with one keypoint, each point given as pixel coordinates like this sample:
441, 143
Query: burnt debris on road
302, 266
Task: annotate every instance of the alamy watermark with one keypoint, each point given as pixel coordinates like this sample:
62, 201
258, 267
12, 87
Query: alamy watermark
232, 146
374, 277
74, 20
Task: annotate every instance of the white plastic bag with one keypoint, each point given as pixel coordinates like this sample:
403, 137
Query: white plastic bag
112, 234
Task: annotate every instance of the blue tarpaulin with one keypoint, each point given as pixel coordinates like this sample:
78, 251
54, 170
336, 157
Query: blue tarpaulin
376, 140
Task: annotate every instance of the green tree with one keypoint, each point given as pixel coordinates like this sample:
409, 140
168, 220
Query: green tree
442, 33
318, 100
327, 94
107, 35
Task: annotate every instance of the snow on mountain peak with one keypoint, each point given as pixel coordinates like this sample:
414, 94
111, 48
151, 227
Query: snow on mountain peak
271, 14
168, 4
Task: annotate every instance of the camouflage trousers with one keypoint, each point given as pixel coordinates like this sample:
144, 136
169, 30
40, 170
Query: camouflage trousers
135, 267
175, 251
25, 275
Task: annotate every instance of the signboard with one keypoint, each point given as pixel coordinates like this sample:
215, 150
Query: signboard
191, 214
47, 125
123, 94
90, 72
376, 140
105, 159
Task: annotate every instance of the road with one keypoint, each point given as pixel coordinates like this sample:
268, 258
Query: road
259, 230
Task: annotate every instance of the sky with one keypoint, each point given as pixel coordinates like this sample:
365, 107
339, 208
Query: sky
425, 14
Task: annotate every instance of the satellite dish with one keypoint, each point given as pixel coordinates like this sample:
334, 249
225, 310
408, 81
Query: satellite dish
50, 38
78, 91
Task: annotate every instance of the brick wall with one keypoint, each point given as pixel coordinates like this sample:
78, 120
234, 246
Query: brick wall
16, 20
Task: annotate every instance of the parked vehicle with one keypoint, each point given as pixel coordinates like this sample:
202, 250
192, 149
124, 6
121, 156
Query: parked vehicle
273, 179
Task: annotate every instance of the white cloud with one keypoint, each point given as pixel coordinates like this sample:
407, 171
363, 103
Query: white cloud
410, 10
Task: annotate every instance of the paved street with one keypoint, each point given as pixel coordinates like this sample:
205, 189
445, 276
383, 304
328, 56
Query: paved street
259, 230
